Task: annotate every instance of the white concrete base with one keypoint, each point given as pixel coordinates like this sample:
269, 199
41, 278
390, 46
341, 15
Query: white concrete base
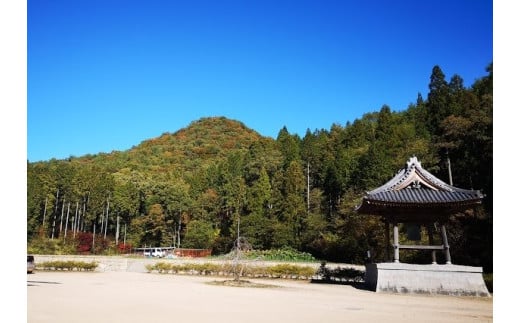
426, 279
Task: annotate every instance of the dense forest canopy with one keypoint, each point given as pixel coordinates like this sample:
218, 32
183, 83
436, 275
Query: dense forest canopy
193, 187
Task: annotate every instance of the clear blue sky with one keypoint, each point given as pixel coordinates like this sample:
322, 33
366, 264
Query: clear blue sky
104, 75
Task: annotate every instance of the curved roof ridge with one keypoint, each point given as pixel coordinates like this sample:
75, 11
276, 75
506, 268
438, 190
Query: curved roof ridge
391, 183
440, 183
434, 181
412, 172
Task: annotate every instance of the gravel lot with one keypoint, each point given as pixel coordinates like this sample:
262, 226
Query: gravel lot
147, 297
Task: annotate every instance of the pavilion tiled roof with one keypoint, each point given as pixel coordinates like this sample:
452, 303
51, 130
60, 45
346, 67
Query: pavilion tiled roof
421, 196
414, 187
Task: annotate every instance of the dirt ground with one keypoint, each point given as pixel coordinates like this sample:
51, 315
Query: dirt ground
147, 297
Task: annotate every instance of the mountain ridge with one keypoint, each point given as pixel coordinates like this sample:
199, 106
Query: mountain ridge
204, 141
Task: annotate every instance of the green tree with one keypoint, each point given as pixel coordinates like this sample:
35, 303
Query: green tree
316, 224
199, 235
41, 195
293, 210
375, 165
468, 138
259, 193
437, 104
125, 201
149, 229
289, 146
256, 224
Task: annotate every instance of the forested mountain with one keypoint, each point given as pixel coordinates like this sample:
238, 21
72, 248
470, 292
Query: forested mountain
197, 186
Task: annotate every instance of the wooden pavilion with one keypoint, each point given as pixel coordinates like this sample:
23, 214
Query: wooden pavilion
415, 196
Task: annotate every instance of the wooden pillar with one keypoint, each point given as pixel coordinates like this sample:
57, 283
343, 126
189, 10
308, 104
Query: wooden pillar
387, 241
396, 242
445, 243
430, 241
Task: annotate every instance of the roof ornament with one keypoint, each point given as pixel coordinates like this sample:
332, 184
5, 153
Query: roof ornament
416, 184
413, 161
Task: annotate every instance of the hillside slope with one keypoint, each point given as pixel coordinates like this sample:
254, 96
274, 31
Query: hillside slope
204, 141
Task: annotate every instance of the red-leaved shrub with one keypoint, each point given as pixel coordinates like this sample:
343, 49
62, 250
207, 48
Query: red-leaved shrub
84, 242
124, 248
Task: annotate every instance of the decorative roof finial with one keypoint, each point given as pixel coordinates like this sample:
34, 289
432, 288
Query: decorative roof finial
413, 161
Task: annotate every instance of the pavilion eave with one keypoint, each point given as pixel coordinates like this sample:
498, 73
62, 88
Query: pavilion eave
411, 212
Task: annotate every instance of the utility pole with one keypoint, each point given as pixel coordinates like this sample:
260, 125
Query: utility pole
44, 211
449, 168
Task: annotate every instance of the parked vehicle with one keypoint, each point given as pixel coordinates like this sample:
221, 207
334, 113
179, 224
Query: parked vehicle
154, 252
30, 264
159, 252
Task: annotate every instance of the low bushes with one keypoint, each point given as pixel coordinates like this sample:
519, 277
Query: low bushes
67, 265
228, 269
339, 274
203, 269
288, 270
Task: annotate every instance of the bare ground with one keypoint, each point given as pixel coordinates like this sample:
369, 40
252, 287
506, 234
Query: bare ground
146, 297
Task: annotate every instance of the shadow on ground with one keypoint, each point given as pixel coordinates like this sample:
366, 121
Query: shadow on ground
37, 282
356, 284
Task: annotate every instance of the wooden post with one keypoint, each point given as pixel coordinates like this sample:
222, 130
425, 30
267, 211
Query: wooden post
396, 243
430, 241
446, 245
387, 241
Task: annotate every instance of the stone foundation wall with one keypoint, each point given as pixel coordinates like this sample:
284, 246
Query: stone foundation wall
426, 279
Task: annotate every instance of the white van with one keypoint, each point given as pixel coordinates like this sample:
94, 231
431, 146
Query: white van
158, 252
154, 252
